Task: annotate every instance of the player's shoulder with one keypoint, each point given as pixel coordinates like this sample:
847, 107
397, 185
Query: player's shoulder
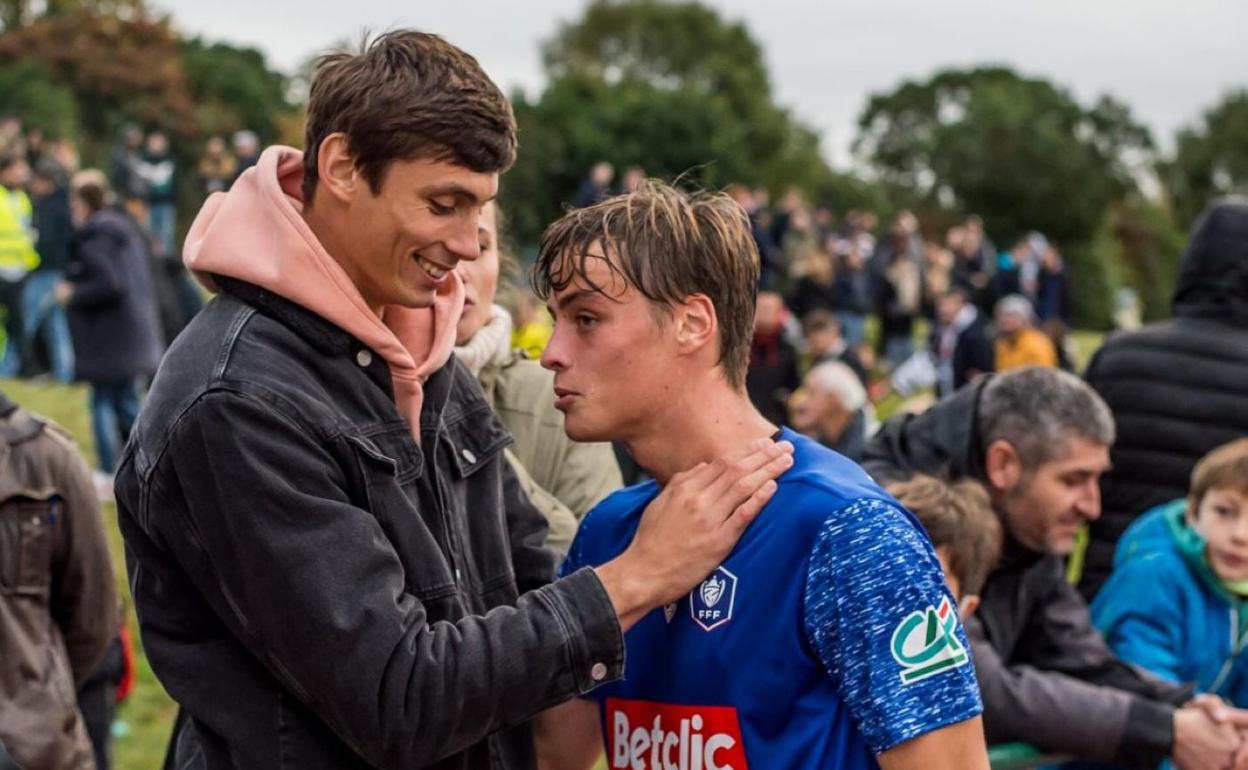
609, 526
824, 486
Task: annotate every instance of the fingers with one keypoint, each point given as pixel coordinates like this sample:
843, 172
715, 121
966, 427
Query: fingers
742, 477
746, 512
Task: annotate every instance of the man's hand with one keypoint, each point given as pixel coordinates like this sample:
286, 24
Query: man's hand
1224, 714
688, 530
1200, 742
63, 291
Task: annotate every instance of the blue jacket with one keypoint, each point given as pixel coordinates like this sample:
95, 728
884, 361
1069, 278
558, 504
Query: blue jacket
1165, 610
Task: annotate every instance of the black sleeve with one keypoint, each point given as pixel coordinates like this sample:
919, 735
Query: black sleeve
255, 511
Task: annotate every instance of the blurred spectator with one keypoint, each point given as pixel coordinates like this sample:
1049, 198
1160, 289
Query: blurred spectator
65, 154
123, 171
1174, 603
852, 287
1177, 387
43, 317
1038, 439
772, 375
824, 343
36, 146
974, 260
814, 287
246, 152
10, 134
825, 225
563, 478
1019, 343
1054, 288
531, 325
831, 407
217, 167
17, 253
633, 177
897, 266
767, 252
960, 343
158, 173
963, 528
790, 204
58, 606
112, 318
596, 186
937, 275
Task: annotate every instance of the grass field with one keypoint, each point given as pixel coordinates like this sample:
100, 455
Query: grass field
145, 719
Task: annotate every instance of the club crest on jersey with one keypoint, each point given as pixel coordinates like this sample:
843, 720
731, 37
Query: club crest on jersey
711, 603
925, 643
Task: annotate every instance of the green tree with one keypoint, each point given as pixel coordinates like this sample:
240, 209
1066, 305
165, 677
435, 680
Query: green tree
668, 86
233, 88
1019, 151
1211, 158
28, 89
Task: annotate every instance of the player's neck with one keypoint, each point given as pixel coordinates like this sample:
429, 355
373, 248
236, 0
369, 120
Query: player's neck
713, 421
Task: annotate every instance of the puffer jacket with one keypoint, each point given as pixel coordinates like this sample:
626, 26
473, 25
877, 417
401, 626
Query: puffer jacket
1179, 388
58, 605
1165, 610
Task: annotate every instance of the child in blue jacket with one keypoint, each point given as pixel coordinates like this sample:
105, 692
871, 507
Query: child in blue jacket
1175, 603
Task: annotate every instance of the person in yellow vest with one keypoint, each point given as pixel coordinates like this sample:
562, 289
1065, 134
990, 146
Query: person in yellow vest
1019, 343
17, 253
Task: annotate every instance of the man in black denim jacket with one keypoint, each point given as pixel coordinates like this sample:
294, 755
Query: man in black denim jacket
333, 565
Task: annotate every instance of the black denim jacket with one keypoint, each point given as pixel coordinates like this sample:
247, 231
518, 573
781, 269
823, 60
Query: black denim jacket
318, 591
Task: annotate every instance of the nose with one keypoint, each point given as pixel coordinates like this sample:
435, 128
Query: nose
554, 357
1089, 503
1239, 532
462, 241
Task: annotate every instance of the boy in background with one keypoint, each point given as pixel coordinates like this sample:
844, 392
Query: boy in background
965, 532
1175, 602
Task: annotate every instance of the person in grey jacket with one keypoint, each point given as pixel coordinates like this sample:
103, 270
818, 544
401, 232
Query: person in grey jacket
332, 562
1039, 439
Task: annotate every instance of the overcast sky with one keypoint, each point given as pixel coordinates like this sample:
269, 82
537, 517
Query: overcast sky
1170, 61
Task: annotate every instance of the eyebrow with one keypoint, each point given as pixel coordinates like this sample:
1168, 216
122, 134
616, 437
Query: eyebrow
575, 296
456, 189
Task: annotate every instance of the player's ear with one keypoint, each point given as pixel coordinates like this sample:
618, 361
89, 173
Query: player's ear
696, 325
1003, 466
967, 605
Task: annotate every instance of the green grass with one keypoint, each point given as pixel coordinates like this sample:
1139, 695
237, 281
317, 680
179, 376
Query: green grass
145, 719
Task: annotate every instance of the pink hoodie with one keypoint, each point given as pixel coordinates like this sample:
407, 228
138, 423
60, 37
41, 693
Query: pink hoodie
255, 233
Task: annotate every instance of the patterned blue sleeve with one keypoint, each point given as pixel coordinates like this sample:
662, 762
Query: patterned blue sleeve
879, 615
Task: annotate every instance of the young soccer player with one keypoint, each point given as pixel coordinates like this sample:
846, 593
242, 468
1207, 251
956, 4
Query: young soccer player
827, 638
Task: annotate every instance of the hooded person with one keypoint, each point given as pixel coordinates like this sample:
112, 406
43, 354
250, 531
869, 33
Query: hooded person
333, 562
1176, 387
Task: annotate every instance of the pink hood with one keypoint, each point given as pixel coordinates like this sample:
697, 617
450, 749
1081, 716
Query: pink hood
255, 233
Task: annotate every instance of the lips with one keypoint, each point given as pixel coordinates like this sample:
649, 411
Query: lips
564, 398
437, 273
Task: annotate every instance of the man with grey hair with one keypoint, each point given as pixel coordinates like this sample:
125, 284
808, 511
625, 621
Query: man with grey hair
831, 407
1038, 439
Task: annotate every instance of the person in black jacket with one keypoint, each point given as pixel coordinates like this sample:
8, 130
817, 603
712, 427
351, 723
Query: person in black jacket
112, 315
44, 317
960, 342
1177, 388
773, 373
1038, 439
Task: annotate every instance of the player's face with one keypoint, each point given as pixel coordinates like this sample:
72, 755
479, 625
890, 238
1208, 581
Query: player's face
612, 354
1047, 508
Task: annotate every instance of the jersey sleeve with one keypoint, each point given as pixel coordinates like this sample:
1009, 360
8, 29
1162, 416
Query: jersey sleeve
882, 621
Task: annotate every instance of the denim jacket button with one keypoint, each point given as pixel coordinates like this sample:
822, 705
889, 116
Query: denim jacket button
364, 358
598, 672
468, 456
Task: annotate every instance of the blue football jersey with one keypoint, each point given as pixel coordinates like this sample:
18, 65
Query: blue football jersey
827, 636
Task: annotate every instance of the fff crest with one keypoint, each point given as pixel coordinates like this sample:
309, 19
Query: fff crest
711, 603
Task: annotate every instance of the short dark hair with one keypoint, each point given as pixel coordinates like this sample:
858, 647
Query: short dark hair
668, 245
959, 517
408, 95
92, 193
1037, 408
819, 320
